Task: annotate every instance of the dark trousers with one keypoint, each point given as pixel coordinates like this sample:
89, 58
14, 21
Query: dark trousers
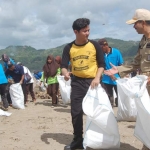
3, 93
109, 91
52, 91
57, 89
8, 94
79, 89
29, 88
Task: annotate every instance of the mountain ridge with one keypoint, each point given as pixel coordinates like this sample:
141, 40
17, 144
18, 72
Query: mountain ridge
34, 59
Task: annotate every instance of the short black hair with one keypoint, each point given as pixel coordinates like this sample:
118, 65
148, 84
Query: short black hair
80, 23
9, 64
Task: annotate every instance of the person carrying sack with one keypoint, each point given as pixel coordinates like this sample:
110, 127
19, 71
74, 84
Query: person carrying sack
87, 63
141, 23
17, 74
50, 71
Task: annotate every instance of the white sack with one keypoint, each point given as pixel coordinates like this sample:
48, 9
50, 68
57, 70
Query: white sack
127, 110
38, 84
65, 89
101, 126
35, 83
17, 96
42, 87
136, 88
4, 113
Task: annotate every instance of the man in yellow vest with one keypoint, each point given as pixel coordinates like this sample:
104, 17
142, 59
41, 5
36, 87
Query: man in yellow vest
141, 21
87, 62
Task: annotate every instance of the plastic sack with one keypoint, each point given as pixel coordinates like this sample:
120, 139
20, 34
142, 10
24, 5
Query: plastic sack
42, 87
136, 88
101, 126
65, 89
114, 93
127, 110
36, 83
4, 113
17, 96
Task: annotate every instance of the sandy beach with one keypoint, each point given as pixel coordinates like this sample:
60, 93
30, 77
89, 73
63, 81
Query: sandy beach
41, 127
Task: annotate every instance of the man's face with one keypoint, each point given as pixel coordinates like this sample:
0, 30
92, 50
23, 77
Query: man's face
83, 34
139, 27
104, 48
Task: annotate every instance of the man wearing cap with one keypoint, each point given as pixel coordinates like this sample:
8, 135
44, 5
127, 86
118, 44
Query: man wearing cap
111, 55
141, 21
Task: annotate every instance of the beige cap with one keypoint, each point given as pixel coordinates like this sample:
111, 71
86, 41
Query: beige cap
140, 14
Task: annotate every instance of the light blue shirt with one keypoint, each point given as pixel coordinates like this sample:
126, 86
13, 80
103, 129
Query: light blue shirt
116, 59
3, 78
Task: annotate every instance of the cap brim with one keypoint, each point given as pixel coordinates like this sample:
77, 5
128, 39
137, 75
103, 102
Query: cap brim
131, 21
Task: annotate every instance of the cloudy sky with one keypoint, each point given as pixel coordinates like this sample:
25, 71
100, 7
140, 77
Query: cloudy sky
45, 24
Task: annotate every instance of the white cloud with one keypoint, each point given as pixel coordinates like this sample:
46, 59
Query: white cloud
48, 23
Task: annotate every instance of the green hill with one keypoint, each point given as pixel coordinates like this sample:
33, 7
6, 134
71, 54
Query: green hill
34, 59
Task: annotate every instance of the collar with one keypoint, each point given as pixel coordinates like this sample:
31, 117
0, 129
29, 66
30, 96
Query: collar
109, 52
81, 44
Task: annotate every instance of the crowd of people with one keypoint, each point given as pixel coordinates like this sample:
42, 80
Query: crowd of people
12, 72
91, 63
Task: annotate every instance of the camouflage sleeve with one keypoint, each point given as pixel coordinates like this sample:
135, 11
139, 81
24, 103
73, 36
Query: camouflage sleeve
126, 69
